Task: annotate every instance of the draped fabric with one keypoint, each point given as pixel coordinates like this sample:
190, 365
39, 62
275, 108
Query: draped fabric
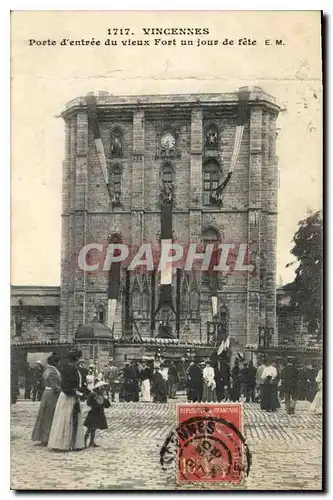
243, 98
165, 298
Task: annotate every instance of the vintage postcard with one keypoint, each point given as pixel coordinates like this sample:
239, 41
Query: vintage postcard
166, 280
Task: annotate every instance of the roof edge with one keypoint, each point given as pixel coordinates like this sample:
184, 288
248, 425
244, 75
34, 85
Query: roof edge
106, 100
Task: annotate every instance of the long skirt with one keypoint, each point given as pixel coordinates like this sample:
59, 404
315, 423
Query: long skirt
67, 431
131, 391
195, 392
145, 390
266, 397
45, 416
209, 394
316, 405
270, 401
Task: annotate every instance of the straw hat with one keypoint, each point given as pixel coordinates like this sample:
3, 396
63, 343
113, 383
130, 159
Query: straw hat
100, 384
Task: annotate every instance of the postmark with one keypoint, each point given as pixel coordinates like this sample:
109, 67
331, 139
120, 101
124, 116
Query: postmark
207, 445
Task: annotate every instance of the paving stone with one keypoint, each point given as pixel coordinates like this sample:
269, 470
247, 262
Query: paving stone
286, 452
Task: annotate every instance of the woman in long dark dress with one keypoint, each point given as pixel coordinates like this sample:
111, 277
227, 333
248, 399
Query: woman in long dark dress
49, 400
159, 386
236, 383
195, 382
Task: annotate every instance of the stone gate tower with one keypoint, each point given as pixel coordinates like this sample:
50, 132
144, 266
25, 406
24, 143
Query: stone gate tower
185, 142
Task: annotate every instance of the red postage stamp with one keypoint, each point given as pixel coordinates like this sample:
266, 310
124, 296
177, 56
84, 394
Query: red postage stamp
210, 443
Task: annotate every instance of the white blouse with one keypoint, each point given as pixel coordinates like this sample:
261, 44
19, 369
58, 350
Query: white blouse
269, 371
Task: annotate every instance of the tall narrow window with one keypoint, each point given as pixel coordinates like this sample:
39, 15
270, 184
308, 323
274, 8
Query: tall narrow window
210, 236
137, 303
100, 312
145, 304
18, 326
140, 304
167, 174
167, 187
117, 182
117, 143
211, 175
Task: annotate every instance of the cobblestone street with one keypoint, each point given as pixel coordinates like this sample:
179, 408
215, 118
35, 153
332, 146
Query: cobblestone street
286, 451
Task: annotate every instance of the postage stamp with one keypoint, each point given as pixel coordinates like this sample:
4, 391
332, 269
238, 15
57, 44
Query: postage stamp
208, 444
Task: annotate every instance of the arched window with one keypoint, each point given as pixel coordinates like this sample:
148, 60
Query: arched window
167, 174
210, 235
100, 313
140, 303
136, 303
167, 183
211, 176
117, 143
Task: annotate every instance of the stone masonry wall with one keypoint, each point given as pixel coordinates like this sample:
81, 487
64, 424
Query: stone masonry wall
247, 215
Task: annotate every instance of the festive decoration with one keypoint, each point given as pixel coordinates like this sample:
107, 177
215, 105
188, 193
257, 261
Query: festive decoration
244, 95
115, 236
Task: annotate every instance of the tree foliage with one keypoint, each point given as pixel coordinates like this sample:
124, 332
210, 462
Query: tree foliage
306, 289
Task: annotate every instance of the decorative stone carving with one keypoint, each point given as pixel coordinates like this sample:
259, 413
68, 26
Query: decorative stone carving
116, 200
166, 141
115, 236
212, 137
166, 192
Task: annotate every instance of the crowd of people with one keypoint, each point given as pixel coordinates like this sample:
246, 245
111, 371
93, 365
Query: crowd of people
62, 389
208, 383
269, 384
59, 424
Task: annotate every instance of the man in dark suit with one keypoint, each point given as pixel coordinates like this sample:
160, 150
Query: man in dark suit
290, 381
195, 382
83, 372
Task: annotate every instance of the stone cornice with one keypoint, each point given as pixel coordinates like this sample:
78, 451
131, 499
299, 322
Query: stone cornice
178, 102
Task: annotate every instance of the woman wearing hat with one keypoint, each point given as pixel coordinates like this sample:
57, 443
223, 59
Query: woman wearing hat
49, 400
67, 432
95, 419
209, 384
90, 378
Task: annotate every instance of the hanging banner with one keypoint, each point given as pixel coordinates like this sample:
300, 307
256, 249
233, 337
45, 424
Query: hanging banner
243, 97
92, 114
